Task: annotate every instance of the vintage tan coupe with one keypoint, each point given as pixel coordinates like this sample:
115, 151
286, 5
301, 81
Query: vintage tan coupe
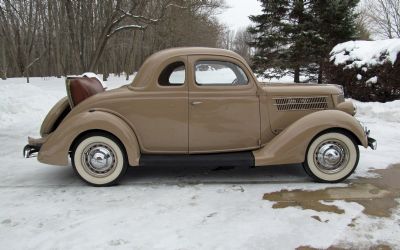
200, 106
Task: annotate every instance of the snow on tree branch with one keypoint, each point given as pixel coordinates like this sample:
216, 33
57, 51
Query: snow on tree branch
127, 27
149, 20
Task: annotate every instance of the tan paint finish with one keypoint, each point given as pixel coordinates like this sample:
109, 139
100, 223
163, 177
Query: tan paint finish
55, 150
279, 120
158, 117
226, 118
51, 117
291, 144
153, 119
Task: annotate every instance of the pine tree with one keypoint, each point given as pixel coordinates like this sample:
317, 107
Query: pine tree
282, 37
336, 24
294, 35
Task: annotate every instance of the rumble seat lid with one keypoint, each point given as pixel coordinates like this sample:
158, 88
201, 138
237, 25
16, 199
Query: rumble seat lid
81, 88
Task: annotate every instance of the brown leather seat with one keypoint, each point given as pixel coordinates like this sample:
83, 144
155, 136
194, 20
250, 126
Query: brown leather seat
81, 88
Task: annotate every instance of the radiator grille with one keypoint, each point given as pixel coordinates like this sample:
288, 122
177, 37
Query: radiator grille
301, 103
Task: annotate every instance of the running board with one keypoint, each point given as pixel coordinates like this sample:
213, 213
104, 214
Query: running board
198, 160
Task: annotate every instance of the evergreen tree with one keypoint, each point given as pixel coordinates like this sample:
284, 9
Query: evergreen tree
337, 23
294, 35
282, 37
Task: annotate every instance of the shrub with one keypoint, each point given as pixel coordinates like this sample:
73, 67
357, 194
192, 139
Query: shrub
368, 70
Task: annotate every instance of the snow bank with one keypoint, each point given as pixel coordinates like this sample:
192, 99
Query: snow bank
358, 54
383, 112
24, 103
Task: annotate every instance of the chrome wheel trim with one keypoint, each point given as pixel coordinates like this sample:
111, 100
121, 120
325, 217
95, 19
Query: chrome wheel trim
99, 160
331, 156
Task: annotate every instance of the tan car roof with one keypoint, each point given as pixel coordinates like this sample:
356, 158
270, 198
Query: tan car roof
154, 62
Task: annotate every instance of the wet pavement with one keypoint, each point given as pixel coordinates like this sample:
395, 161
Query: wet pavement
378, 247
377, 195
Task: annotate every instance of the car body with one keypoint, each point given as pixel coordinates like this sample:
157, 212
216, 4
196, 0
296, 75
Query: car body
201, 106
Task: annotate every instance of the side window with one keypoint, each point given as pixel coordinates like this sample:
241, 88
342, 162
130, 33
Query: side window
219, 73
173, 75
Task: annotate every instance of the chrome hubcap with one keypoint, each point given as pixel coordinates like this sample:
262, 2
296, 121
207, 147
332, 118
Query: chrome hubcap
331, 156
99, 159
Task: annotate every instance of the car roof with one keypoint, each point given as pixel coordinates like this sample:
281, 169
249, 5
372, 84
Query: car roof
186, 51
154, 61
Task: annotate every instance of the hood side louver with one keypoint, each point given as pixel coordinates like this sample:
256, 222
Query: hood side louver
301, 103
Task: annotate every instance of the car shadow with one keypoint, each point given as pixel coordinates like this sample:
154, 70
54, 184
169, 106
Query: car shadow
222, 175
53, 176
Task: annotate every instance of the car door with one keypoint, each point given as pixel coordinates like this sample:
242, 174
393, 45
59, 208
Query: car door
223, 106
158, 111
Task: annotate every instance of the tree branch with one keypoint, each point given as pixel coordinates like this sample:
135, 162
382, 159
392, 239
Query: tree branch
127, 27
149, 20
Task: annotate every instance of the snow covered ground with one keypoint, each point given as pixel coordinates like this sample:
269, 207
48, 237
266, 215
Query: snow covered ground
48, 207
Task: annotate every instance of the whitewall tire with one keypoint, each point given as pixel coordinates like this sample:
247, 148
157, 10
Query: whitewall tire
331, 157
99, 159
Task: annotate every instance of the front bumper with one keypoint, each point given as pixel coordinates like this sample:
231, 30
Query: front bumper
372, 143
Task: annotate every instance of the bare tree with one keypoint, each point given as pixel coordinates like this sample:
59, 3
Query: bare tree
19, 24
3, 68
241, 44
237, 41
54, 38
384, 17
363, 24
227, 39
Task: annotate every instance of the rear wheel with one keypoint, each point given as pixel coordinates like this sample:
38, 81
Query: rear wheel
331, 157
99, 159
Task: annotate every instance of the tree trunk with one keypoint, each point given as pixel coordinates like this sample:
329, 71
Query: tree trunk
297, 74
320, 73
72, 31
27, 76
106, 73
3, 69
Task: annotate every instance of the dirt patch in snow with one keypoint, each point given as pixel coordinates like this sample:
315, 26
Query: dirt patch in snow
377, 195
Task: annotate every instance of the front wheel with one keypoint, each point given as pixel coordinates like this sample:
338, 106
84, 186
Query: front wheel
99, 159
331, 157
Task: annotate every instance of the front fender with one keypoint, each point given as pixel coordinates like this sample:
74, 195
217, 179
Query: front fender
56, 148
291, 144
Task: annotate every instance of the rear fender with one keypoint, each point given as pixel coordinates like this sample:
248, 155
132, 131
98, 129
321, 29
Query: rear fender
55, 116
291, 144
57, 146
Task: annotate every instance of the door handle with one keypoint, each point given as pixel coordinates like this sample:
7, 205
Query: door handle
196, 103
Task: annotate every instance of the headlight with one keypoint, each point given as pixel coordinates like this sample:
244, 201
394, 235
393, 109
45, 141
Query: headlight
347, 107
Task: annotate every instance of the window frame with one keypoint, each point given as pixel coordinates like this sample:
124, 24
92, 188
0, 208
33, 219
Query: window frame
173, 85
248, 80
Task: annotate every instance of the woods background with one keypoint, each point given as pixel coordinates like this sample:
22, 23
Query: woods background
55, 38
63, 37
